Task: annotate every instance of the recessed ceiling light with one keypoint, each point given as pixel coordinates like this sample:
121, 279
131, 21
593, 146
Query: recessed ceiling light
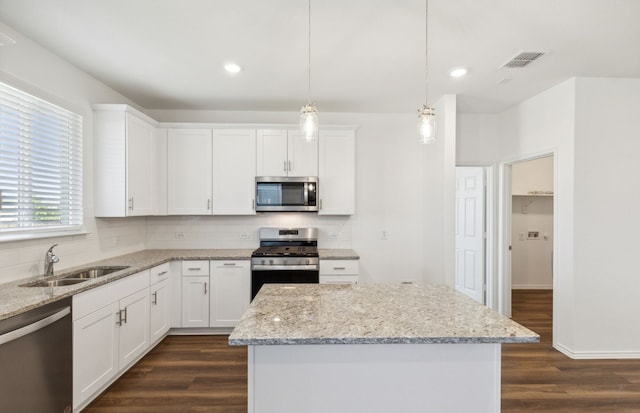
458, 72
232, 67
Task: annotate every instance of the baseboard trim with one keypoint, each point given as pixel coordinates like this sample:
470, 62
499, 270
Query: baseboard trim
532, 287
597, 355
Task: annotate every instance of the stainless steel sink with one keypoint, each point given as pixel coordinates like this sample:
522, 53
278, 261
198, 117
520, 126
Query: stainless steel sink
75, 277
55, 283
96, 272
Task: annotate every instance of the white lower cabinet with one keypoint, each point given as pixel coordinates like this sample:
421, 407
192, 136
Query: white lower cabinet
95, 352
230, 292
133, 333
215, 293
110, 330
195, 301
339, 271
160, 301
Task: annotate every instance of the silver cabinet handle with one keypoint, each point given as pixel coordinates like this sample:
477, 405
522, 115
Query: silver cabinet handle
155, 298
162, 273
122, 320
205, 288
194, 268
320, 204
339, 268
285, 166
289, 166
131, 203
230, 264
253, 204
38, 325
208, 204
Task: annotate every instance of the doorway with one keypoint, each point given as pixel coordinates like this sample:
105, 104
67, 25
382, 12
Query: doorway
528, 221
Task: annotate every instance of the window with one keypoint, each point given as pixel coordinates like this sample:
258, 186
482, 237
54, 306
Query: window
40, 166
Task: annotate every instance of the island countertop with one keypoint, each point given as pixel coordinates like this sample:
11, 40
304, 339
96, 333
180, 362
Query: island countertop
371, 314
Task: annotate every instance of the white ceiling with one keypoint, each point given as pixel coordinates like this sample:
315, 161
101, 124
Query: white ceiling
366, 55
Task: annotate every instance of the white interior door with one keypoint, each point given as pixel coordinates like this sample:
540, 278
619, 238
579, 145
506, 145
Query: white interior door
470, 232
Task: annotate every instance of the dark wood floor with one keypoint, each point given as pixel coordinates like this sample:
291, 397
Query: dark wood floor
537, 378
188, 374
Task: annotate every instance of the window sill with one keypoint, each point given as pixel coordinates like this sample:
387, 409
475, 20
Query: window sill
31, 235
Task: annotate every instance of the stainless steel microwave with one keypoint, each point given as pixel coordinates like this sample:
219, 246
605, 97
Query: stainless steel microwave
286, 193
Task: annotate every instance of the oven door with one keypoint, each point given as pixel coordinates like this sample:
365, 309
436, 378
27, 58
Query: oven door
278, 275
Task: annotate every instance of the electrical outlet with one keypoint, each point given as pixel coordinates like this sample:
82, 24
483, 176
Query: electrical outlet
179, 235
385, 234
333, 235
116, 240
244, 235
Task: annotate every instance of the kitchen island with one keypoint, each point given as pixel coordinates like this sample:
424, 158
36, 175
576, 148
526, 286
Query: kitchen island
373, 348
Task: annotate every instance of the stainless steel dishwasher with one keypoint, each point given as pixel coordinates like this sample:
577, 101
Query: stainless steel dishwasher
36, 360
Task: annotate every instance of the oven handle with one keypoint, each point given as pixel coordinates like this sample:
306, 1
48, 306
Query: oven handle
259, 267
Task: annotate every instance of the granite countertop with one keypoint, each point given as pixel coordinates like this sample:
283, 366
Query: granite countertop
371, 314
15, 299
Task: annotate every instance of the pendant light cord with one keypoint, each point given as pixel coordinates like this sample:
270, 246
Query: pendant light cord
426, 53
309, 56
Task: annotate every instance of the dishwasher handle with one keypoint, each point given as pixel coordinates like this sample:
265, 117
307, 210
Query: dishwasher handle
30, 328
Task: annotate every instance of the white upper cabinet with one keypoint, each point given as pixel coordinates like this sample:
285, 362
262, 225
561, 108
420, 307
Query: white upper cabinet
283, 152
189, 172
124, 148
337, 173
234, 171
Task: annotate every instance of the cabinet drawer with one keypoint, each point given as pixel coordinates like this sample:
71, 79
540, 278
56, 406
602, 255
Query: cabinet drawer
339, 267
195, 267
229, 264
159, 273
338, 279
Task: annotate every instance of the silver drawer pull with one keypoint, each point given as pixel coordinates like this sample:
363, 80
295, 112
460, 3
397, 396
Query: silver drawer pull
230, 264
194, 268
162, 273
155, 298
339, 268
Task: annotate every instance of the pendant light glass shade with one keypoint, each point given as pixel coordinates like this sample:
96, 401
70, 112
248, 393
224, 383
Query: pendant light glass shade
309, 123
426, 124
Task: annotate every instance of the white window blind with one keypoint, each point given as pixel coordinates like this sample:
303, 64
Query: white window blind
40, 165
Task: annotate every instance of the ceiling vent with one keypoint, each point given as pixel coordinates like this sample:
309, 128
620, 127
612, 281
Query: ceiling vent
522, 59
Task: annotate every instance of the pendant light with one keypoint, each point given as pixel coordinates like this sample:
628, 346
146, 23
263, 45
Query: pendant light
309, 123
426, 114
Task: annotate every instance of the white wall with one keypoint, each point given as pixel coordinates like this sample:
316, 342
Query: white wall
28, 65
607, 222
396, 187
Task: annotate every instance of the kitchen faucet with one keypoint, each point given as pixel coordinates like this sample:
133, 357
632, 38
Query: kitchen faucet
49, 259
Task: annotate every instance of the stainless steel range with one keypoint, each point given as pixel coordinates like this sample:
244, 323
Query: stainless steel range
286, 255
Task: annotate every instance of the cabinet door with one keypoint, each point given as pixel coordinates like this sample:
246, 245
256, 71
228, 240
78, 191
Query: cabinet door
336, 173
140, 151
134, 327
234, 172
272, 152
160, 305
230, 292
302, 155
195, 301
189, 172
95, 352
